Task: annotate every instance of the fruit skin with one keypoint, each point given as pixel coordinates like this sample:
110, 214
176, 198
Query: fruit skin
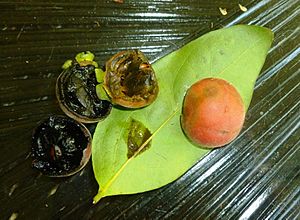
213, 113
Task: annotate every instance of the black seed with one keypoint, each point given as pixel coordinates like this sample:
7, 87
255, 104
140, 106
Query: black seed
58, 146
76, 93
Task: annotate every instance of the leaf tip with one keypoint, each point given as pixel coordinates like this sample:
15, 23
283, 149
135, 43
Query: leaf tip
269, 32
270, 35
265, 32
94, 202
98, 197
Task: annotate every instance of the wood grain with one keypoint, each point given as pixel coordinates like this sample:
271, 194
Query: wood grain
256, 177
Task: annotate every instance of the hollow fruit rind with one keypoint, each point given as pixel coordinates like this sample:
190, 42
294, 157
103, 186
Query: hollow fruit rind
213, 113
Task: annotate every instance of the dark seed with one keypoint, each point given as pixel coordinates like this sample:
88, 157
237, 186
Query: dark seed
76, 93
60, 146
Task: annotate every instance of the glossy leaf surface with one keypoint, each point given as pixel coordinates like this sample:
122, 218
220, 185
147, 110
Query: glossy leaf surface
235, 54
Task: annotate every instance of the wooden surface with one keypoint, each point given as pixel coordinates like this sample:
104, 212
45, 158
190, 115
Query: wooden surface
256, 177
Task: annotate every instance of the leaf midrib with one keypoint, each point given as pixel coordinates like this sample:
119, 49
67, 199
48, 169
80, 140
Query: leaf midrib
101, 193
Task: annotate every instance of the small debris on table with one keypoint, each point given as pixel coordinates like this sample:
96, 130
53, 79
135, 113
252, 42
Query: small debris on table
53, 191
62, 208
12, 189
97, 23
223, 11
243, 8
13, 216
119, 1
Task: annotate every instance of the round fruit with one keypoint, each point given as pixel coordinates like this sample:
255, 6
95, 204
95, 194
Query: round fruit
213, 113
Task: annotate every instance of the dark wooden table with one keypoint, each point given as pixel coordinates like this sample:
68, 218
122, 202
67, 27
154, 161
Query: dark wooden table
258, 177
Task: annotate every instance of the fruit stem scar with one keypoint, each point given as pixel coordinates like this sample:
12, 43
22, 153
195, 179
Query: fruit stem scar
101, 193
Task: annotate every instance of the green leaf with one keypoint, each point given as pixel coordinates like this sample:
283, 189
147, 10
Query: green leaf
99, 75
235, 54
101, 93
